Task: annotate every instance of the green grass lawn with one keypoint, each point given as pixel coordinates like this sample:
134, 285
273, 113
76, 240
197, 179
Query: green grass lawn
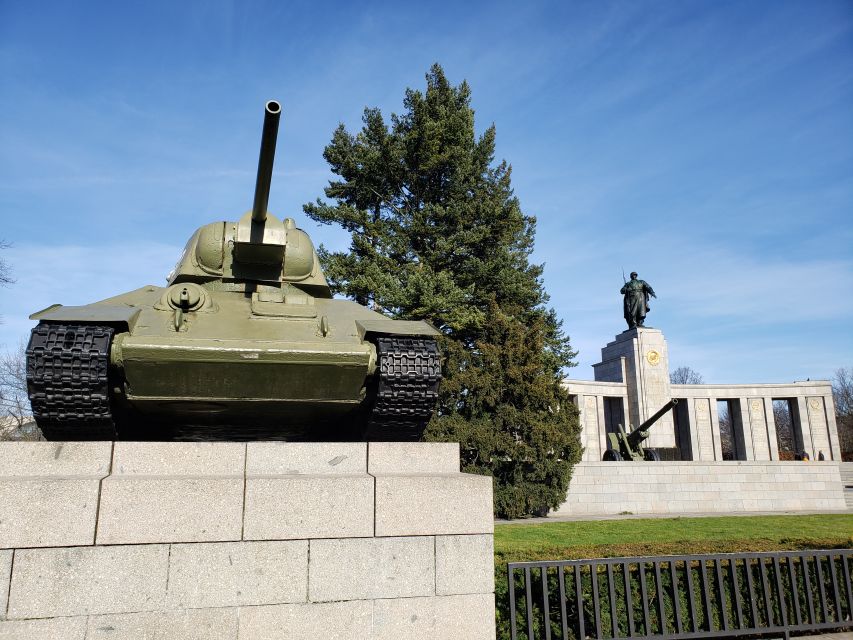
661, 536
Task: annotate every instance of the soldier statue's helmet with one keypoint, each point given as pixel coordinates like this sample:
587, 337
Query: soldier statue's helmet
633, 273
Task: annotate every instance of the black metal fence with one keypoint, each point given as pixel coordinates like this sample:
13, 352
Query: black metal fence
701, 596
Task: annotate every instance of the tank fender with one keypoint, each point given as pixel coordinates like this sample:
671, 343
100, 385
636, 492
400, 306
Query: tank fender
119, 316
395, 327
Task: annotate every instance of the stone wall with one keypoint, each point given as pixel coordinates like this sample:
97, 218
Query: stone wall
260, 541
611, 488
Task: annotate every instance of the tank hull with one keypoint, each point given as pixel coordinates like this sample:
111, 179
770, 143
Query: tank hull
235, 369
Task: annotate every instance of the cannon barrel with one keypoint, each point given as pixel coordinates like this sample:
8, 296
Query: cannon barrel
272, 112
658, 415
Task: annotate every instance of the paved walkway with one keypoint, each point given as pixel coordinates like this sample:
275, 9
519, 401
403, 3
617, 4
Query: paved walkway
643, 516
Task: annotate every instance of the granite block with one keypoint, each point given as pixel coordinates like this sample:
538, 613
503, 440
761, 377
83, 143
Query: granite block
51, 459
412, 457
468, 617
5, 578
366, 568
88, 581
48, 511
179, 459
145, 509
313, 458
464, 564
50, 629
302, 507
330, 621
427, 505
191, 624
227, 574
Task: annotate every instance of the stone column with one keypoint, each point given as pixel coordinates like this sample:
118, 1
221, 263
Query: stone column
746, 435
695, 449
819, 428
772, 438
591, 436
602, 425
832, 427
758, 425
715, 429
801, 419
704, 429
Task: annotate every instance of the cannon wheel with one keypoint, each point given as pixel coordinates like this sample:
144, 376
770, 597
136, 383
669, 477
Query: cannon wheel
611, 455
650, 455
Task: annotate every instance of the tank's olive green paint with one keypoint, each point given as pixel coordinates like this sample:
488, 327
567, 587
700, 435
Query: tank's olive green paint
245, 330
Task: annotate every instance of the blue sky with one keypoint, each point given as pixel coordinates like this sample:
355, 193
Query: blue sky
706, 145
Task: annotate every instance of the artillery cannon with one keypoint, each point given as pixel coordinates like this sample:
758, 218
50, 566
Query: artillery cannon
629, 446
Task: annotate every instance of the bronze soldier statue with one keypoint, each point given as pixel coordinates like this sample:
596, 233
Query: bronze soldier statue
636, 301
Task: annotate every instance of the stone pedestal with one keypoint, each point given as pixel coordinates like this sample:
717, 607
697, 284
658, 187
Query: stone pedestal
228, 541
641, 356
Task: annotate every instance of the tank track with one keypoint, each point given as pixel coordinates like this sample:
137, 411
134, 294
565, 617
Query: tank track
409, 370
68, 383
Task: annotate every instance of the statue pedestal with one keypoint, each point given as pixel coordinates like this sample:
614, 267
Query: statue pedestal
639, 357
234, 541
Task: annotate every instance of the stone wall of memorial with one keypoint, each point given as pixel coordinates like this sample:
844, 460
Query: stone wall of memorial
226, 541
632, 382
612, 488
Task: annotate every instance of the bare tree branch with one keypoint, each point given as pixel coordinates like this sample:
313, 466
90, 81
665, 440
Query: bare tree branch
14, 402
5, 270
842, 396
686, 375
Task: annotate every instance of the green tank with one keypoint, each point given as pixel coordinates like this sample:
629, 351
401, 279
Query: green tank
245, 343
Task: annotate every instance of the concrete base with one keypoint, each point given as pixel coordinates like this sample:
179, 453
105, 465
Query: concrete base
611, 488
227, 541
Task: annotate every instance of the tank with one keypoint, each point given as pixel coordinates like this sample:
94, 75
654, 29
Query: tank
245, 342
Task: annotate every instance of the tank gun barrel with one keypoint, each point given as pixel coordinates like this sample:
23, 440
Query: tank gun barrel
272, 113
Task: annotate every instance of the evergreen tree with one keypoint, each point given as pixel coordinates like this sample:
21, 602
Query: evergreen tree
437, 234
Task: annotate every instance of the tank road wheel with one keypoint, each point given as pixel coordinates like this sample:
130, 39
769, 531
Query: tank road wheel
650, 455
611, 455
406, 388
67, 381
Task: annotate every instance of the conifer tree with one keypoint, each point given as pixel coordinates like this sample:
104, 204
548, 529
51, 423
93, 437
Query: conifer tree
437, 234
